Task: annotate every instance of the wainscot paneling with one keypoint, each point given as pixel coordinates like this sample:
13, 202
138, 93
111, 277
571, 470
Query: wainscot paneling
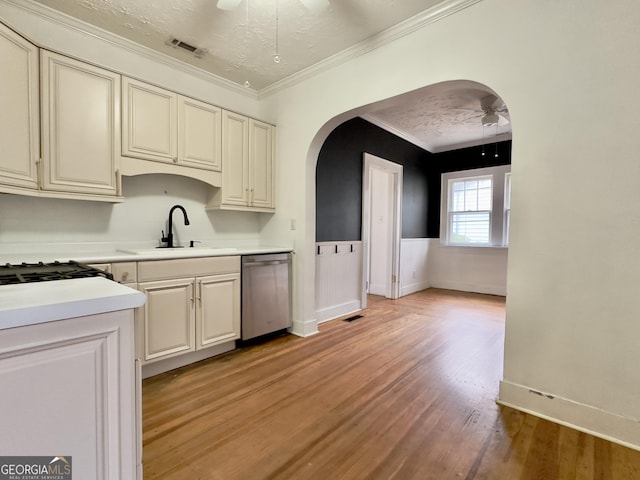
414, 271
338, 279
470, 269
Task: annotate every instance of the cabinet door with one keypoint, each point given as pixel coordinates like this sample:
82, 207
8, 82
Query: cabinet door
235, 159
19, 122
149, 122
218, 312
80, 126
166, 322
72, 382
261, 148
199, 134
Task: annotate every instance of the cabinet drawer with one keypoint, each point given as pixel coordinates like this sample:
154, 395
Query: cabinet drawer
125, 272
187, 267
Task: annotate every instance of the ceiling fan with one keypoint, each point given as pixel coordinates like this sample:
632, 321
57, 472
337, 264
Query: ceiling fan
494, 110
314, 6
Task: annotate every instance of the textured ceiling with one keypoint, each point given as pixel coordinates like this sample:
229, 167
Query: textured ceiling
239, 45
442, 117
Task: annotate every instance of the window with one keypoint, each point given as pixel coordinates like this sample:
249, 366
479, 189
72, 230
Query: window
470, 210
475, 207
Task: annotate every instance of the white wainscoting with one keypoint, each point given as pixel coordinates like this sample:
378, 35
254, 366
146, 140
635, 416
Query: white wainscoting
469, 269
338, 279
424, 263
414, 270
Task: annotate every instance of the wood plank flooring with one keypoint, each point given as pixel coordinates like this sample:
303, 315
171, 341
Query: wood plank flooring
405, 392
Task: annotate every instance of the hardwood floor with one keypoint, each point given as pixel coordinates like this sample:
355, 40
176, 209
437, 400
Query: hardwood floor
405, 392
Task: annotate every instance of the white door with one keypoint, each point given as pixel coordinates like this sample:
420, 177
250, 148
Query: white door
381, 229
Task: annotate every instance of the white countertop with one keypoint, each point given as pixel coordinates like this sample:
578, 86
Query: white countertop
39, 302
107, 253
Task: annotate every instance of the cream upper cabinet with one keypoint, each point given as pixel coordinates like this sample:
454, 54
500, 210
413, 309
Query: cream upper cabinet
19, 122
261, 174
163, 126
80, 126
149, 122
235, 154
247, 165
199, 134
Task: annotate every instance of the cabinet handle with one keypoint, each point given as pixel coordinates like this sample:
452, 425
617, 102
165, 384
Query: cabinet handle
191, 293
200, 292
118, 183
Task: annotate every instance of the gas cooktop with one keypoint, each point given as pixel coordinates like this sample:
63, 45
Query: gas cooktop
42, 272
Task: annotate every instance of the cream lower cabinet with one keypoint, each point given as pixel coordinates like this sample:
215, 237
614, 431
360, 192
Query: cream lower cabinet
69, 388
187, 313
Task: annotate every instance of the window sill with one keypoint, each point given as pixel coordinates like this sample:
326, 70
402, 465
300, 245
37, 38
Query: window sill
481, 247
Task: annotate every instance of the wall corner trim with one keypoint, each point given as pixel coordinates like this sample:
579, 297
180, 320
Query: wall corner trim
304, 328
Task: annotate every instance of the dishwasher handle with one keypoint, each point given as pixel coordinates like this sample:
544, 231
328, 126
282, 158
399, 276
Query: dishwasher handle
264, 263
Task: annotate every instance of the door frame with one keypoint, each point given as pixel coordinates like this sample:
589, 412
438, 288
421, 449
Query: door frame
369, 162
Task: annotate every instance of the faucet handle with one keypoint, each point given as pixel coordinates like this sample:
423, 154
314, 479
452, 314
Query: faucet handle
163, 238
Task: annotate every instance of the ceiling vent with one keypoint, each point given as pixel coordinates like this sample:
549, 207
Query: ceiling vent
195, 51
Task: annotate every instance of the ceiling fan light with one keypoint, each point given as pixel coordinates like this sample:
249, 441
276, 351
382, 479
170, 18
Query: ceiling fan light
490, 120
228, 4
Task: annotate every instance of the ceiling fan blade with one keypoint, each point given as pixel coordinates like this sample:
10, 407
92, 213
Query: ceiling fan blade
315, 6
228, 4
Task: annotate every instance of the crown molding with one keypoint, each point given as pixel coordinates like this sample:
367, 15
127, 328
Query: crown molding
431, 15
398, 133
430, 148
72, 23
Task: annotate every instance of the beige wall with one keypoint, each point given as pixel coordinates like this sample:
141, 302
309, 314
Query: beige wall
568, 72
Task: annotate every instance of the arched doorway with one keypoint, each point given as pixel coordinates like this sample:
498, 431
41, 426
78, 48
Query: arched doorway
453, 115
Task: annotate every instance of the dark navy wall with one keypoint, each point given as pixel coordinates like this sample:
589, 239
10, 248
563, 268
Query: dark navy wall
339, 179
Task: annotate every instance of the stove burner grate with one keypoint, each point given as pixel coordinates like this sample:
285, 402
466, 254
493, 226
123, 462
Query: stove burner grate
43, 272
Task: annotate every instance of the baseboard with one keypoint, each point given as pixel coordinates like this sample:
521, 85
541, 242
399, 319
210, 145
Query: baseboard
413, 288
336, 311
585, 418
304, 328
471, 287
161, 366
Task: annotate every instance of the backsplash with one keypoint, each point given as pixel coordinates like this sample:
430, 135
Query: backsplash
139, 219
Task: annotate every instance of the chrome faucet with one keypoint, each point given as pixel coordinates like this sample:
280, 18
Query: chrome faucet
169, 238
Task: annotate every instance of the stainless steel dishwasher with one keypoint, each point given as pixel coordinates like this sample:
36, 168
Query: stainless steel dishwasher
266, 298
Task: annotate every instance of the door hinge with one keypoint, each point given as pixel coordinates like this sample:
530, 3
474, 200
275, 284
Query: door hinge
393, 279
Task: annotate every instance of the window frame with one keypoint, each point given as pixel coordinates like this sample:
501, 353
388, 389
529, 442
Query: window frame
498, 215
